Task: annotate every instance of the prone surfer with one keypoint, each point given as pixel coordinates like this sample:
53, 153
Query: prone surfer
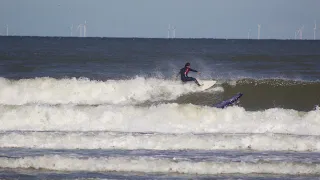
184, 74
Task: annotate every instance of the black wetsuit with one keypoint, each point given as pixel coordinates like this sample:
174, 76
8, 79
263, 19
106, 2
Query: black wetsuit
184, 75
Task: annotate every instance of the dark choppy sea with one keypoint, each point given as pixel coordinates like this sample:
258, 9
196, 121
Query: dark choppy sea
109, 108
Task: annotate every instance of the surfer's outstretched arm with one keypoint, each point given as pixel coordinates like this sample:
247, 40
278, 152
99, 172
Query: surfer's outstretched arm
193, 70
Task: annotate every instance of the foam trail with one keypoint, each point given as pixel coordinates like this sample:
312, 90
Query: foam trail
165, 118
156, 165
156, 141
84, 91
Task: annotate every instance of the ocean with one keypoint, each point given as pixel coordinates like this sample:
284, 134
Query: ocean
112, 108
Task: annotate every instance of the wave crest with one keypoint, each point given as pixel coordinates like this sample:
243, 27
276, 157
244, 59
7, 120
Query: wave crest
85, 91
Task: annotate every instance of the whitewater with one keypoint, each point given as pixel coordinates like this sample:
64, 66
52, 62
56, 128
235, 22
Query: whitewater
91, 92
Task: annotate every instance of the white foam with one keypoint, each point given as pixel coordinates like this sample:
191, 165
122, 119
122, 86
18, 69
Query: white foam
215, 89
84, 91
156, 141
165, 118
156, 165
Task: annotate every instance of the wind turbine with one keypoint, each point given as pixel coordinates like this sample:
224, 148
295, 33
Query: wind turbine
71, 28
85, 29
300, 31
169, 29
314, 30
80, 29
259, 27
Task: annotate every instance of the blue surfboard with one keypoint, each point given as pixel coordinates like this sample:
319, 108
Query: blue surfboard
228, 102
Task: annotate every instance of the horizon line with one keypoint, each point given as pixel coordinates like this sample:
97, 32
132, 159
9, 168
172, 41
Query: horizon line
177, 38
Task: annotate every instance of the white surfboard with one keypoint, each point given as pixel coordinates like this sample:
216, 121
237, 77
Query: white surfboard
206, 84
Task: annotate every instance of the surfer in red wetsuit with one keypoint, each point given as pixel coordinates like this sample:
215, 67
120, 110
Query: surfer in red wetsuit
184, 74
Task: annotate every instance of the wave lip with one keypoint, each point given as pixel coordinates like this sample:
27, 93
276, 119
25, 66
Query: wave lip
157, 165
159, 141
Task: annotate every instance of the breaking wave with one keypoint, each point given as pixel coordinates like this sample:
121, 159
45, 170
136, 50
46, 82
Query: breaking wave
164, 118
159, 141
85, 91
157, 165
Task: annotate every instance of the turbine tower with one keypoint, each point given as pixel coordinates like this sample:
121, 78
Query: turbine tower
71, 29
259, 27
300, 31
169, 29
80, 29
314, 30
85, 29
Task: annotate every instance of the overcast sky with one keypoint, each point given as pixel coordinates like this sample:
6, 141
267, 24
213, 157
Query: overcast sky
279, 19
